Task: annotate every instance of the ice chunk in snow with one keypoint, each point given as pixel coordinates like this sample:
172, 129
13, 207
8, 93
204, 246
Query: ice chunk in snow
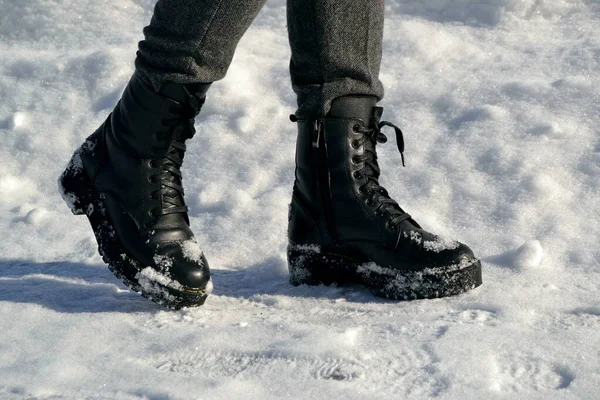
529, 255
35, 216
17, 120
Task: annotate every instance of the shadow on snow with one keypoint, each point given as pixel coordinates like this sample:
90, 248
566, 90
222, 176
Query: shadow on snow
92, 288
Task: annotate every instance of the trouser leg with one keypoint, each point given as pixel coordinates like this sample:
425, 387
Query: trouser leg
336, 51
192, 41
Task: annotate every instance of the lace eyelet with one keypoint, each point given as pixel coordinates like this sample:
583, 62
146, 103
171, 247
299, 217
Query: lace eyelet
390, 227
355, 144
355, 128
356, 175
151, 179
152, 213
356, 160
369, 202
152, 164
361, 190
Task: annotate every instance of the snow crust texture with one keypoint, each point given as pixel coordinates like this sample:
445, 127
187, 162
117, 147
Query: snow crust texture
498, 100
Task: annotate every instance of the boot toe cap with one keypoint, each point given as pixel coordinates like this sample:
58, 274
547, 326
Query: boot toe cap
185, 263
450, 254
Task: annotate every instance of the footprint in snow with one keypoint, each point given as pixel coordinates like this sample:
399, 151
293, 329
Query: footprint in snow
587, 318
261, 364
484, 113
403, 369
337, 370
477, 314
479, 317
526, 373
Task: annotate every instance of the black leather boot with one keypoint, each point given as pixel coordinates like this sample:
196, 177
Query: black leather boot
126, 178
343, 225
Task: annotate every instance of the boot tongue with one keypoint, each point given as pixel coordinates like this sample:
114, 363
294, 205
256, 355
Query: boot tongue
188, 96
183, 95
178, 93
354, 107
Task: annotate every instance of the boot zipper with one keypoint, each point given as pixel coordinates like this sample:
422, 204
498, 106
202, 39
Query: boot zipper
324, 180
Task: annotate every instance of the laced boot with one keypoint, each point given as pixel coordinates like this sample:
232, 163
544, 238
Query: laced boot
126, 179
343, 225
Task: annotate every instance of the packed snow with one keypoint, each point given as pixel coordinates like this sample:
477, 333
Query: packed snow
499, 102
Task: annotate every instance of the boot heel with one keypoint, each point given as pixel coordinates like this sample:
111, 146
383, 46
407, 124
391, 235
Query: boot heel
309, 266
74, 187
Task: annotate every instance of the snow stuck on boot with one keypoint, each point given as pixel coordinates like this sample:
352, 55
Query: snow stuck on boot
192, 251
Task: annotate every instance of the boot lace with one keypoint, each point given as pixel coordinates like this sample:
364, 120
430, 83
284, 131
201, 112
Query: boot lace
377, 195
168, 166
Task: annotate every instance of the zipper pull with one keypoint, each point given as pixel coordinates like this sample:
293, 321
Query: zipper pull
318, 128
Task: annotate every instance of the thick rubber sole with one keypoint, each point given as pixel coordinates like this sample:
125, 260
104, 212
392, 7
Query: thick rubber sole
81, 198
308, 265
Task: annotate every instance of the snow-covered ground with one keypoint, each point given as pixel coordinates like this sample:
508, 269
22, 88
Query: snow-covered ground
499, 101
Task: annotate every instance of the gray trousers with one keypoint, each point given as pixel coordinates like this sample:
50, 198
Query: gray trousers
336, 46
